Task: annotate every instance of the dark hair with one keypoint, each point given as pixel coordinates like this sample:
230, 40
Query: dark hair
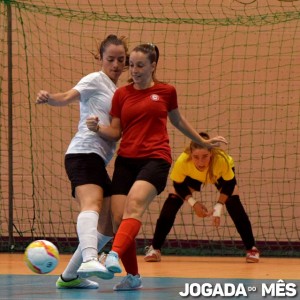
112, 40
204, 135
152, 53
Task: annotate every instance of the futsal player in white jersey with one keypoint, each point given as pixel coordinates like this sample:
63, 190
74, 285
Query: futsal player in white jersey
85, 161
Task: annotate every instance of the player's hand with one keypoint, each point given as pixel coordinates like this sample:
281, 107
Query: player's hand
92, 123
217, 213
200, 210
216, 141
216, 221
42, 97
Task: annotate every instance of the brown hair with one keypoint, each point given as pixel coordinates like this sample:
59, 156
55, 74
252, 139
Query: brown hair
215, 153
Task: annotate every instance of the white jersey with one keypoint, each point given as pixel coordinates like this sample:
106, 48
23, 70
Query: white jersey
96, 92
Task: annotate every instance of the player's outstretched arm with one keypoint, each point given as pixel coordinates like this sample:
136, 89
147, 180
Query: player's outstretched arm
184, 126
58, 99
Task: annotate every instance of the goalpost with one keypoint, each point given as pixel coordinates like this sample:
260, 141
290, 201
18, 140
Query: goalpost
236, 67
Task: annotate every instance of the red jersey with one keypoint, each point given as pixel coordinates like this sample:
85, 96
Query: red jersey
143, 115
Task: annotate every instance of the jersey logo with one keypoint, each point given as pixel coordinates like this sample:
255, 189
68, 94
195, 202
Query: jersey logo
154, 97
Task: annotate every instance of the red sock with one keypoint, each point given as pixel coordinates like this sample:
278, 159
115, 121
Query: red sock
129, 260
128, 230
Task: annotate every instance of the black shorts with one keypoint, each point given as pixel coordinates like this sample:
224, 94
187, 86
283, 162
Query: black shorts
129, 170
87, 168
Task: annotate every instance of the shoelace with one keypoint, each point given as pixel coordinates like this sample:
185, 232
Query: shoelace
126, 278
147, 249
102, 258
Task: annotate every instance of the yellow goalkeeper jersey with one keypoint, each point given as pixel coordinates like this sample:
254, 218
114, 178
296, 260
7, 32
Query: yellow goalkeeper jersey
184, 167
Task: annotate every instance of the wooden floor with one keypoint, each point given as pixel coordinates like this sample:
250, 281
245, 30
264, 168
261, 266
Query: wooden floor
165, 280
185, 267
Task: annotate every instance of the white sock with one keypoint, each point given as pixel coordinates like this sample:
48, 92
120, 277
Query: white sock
70, 271
102, 240
87, 233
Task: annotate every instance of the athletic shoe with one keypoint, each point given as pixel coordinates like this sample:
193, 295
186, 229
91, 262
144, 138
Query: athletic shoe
77, 283
94, 268
112, 262
129, 283
152, 255
252, 255
102, 258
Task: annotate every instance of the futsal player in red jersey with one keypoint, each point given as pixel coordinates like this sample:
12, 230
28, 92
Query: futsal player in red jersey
139, 113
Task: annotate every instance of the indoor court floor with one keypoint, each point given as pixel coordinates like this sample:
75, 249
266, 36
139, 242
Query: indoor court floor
227, 277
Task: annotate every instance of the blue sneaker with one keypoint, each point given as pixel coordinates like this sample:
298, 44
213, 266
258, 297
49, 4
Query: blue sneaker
112, 262
129, 283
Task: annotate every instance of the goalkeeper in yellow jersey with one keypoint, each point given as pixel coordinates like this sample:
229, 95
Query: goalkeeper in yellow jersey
199, 165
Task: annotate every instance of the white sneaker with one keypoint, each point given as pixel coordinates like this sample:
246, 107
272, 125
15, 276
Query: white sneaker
94, 268
129, 283
77, 283
252, 255
112, 262
152, 255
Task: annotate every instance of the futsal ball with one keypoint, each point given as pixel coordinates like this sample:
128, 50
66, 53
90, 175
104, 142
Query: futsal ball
41, 256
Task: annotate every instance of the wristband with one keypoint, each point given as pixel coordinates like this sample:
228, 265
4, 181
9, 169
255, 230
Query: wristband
218, 210
192, 201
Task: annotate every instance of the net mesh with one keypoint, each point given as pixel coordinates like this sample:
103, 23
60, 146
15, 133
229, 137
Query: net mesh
235, 65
